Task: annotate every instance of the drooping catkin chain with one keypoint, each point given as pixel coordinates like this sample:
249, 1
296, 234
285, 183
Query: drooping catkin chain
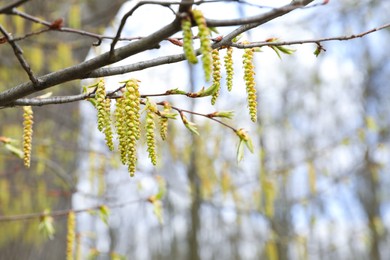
103, 106
27, 134
100, 96
131, 122
228, 59
70, 237
121, 128
109, 136
150, 136
205, 44
249, 77
216, 75
187, 40
164, 121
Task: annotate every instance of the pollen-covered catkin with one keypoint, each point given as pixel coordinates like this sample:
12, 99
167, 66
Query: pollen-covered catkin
132, 122
216, 75
127, 123
249, 77
70, 237
108, 129
103, 106
228, 59
187, 40
100, 96
27, 134
164, 122
205, 44
150, 136
119, 115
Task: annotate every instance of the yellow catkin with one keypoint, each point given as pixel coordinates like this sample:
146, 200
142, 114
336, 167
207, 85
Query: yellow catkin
216, 75
70, 237
27, 134
108, 129
100, 96
249, 77
228, 59
187, 40
103, 106
127, 123
205, 44
150, 136
164, 122
121, 128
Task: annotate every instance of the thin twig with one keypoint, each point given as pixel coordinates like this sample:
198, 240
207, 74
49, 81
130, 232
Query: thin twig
19, 55
336, 38
62, 213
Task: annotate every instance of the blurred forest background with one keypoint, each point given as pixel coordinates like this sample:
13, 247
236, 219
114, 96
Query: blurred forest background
314, 189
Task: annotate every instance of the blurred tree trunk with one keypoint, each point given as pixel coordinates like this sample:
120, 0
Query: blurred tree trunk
194, 183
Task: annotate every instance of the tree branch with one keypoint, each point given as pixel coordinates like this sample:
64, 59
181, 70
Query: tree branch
255, 21
8, 8
82, 70
62, 213
283, 43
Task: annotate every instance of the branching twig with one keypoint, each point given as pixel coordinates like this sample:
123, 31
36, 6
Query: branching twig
336, 38
19, 55
95, 66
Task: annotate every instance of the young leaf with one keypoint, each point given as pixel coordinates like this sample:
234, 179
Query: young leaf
46, 226
14, 150
240, 151
158, 211
104, 213
190, 125
244, 139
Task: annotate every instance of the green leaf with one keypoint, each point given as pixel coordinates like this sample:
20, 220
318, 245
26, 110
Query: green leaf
240, 151
176, 91
285, 50
223, 114
104, 213
237, 38
14, 150
168, 115
276, 51
191, 126
317, 51
158, 210
249, 144
244, 139
213, 29
46, 226
208, 92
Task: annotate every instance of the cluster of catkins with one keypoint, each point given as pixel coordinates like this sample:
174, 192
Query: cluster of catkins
211, 60
127, 112
127, 117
